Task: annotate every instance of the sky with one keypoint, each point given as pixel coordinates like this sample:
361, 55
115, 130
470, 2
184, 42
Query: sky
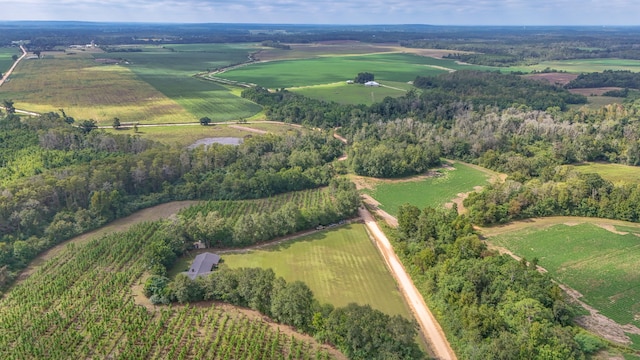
434, 12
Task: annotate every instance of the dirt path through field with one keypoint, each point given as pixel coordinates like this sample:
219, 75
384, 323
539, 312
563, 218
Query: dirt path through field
8, 73
257, 131
431, 330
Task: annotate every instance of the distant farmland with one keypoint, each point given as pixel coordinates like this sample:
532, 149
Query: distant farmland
582, 65
6, 60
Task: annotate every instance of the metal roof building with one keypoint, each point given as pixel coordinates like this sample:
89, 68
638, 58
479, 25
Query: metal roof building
203, 264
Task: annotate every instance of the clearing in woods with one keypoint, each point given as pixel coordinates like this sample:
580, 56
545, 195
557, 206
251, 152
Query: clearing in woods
596, 257
341, 265
434, 189
616, 173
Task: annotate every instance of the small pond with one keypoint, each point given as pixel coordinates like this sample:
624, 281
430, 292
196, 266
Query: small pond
216, 140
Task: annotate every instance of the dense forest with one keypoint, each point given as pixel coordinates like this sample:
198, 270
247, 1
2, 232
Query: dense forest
490, 306
607, 78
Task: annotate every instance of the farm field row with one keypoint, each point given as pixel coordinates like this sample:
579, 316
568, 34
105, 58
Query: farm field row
599, 261
582, 65
344, 93
80, 305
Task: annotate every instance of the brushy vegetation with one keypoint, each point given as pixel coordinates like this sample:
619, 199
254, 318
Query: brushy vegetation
598, 263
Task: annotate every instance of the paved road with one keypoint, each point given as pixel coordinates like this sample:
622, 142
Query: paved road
428, 324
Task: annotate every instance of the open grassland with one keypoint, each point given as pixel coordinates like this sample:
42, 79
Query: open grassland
325, 48
6, 60
87, 90
582, 65
328, 70
616, 173
184, 135
81, 305
340, 265
344, 93
601, 264
422, 191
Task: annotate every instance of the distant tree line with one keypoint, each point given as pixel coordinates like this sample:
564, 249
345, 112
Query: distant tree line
607, 78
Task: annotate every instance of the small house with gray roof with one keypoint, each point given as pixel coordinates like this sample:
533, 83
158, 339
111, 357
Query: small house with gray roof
203, 264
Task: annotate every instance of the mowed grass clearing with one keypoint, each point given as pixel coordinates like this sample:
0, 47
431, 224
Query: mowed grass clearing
598, 263
340, 265
616, 173
433, 191
329, 70
344, 93
184, 135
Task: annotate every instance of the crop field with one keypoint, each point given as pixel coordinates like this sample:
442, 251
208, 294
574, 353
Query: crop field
340, 265
598, 263
233, 209
156, 87
433, 191
616, 173
87, 90
344, 93
80, 305
170, 70
5, 57
582, 65
329, 70
184, 135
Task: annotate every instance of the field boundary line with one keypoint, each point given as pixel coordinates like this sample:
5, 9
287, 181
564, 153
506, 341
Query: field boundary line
8, 73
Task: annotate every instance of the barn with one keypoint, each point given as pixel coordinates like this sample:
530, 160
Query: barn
203, 264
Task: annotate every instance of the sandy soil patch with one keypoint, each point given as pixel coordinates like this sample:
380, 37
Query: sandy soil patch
257, 131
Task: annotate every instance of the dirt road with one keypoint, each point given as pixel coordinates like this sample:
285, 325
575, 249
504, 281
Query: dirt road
428, 324
8, 73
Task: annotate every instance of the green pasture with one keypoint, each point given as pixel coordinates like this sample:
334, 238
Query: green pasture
340, 265
328, 70
432, 191
6, 60
344, 93
616, 173
600, 264
582, 65
184, 135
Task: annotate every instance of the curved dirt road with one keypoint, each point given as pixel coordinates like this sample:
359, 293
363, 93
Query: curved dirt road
428, 324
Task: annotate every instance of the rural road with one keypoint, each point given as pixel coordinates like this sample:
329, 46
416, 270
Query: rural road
428, 324
8, 73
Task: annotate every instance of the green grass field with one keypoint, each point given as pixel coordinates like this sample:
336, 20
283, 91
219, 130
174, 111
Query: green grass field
616, 173
434, 191
340, 265
328, 70
185, 135
5, 57
582, 65
344, 93
600, 264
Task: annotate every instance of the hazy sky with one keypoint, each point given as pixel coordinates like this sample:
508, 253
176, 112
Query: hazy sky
437, 12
